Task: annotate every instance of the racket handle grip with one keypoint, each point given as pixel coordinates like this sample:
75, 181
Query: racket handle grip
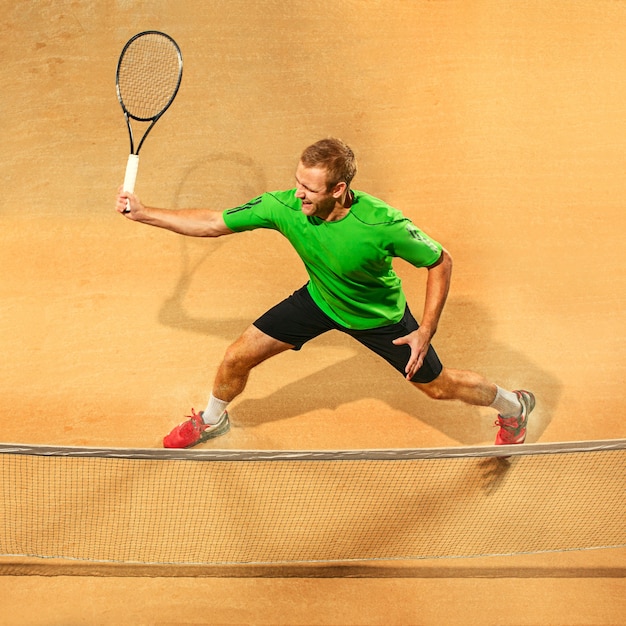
131, 176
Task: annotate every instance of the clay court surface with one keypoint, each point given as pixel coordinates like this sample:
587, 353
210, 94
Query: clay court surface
499, 127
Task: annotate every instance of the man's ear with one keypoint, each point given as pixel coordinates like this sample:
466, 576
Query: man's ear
339, 189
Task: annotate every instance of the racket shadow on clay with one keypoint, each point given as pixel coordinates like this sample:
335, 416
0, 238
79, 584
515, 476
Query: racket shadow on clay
219, 181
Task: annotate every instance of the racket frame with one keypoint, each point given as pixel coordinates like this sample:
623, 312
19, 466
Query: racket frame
153, 119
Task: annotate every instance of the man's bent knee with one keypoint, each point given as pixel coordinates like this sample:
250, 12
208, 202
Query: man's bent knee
437, 389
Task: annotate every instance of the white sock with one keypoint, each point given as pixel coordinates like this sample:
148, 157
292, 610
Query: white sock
506, 403
214, 410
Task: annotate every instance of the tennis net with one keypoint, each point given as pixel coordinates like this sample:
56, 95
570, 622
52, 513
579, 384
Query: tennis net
185, 507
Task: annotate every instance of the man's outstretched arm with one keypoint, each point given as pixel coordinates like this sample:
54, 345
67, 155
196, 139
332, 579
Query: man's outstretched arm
190, 222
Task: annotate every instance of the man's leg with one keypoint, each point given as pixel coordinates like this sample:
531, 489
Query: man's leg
462, 385
287, 325
441, 383
252, 348
513, 406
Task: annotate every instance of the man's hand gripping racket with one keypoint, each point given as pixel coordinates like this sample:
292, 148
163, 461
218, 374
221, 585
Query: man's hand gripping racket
148, 76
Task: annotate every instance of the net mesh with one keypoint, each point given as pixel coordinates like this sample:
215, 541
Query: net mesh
148, 75
152, 506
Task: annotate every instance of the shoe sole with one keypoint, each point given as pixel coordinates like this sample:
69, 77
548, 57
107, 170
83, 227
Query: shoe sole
530, 399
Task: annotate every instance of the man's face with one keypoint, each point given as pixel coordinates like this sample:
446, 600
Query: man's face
311, 189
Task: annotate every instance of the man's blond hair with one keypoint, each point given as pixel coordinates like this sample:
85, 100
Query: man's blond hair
333, 155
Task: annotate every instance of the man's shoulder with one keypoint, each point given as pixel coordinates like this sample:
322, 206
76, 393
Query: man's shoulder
263, 211
375, 212
285, 197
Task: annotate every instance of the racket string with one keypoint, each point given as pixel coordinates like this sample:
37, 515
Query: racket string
149, 75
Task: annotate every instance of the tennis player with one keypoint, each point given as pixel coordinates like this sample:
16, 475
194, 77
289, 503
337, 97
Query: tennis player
347, 240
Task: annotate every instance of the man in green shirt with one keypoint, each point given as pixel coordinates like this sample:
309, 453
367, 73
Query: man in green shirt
347, 240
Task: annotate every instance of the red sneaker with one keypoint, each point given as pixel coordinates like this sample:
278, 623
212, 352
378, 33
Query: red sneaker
195, 431
513, 429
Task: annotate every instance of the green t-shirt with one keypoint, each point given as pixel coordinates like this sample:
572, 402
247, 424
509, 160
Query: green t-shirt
349, 261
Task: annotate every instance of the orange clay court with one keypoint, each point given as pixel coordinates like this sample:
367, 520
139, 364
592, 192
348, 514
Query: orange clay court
498, 127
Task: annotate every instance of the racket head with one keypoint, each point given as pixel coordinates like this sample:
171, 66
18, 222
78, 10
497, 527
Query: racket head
149, 72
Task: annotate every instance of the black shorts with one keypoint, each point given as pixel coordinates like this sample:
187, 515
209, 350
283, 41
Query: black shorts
297, 319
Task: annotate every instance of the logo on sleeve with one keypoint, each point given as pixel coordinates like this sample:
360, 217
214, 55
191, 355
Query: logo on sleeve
420, 237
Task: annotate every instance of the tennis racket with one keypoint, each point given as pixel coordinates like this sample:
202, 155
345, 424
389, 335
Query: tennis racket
148, 76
